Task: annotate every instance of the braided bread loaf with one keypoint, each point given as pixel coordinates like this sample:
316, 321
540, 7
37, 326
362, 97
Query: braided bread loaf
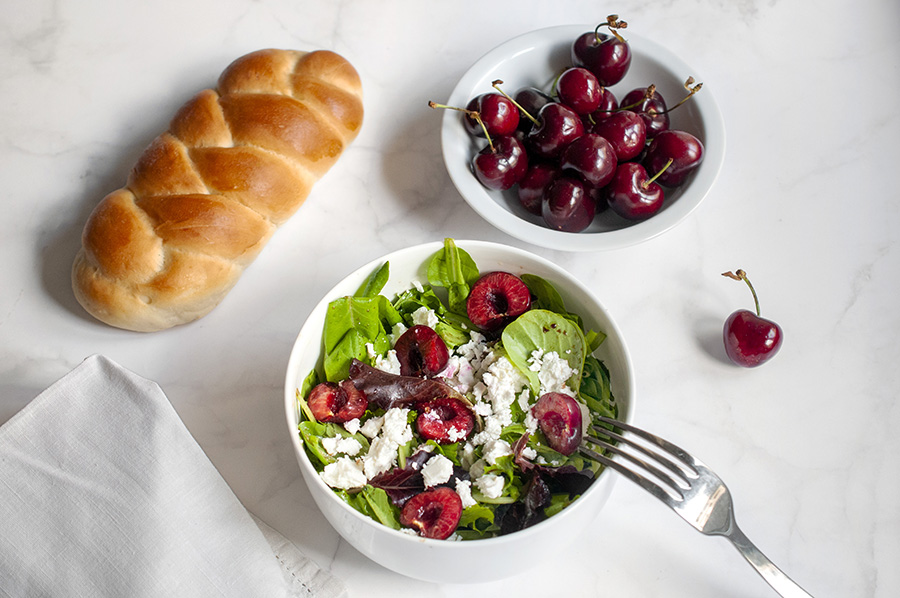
206, 196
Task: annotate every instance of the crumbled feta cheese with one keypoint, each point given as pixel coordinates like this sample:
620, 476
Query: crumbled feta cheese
531, 422
483, 409
524, 400
437, 470
553, 371
397, 331
418, 286
339, 444
352, 425
395, 427
371, 428
504, 382
529, 453
464, 489
425, 317
388, 363
394, 431
467, 457
491, 485
345, 473
454, 434
494, 449
381, 457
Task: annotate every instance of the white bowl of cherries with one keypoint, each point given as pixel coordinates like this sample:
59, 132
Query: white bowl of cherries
586, 138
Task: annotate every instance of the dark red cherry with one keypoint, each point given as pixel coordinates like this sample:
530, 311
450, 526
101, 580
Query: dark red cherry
531, 99
592, 157
503, 166
336, 402
597, 195
750, 340
567, 206
445, 420
604, 55
532, 186
559, 418
496, 299
499, 115
421, 352
433, 513
608, 105
685, 151
631, 194
558, 127
649, 104
626, 131
579, 89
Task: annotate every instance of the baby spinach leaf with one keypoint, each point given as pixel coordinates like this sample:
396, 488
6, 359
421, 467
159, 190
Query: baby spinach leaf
455, 270
545, 294
381, 506
547, 297
540, 329
372, 285
350, 324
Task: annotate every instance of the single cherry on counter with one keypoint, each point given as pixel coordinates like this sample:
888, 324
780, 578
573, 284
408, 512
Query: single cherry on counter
750, 340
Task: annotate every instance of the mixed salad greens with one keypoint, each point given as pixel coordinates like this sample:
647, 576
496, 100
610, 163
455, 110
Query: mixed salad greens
375, 443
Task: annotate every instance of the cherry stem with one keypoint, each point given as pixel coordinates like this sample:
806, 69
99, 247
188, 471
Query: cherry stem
496, 85
741, 275
473, 113
691, 88
648, 93
646, 183
612, 23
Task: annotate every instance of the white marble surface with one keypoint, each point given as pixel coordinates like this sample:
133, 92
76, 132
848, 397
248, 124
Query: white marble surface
806, 204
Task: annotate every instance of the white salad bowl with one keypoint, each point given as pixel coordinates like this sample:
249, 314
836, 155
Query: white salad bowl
445, 561
535, 59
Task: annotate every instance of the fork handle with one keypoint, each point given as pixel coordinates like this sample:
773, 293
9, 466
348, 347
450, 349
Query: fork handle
774, 576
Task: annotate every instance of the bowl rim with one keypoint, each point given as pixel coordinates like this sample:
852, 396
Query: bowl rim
483, 202
293, 376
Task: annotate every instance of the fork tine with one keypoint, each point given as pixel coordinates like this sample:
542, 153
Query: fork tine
667, 446
645, 483
663, 459
668, 481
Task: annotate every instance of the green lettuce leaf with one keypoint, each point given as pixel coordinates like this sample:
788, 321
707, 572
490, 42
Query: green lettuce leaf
548, 331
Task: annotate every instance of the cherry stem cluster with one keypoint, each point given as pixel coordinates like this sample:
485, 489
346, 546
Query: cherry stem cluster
473, 113
689, 85
741, 275
612, 23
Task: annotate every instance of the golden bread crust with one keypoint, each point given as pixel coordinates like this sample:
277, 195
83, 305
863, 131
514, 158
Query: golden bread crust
205, 196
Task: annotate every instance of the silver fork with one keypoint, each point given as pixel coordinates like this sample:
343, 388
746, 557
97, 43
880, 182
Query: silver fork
687, 486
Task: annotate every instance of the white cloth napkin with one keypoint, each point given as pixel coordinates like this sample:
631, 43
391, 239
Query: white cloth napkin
104, 492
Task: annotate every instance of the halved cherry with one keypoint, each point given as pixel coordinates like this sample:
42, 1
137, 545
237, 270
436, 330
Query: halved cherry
445, 420
433, 513
496, 299
559, 418
421, 352
337, 403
